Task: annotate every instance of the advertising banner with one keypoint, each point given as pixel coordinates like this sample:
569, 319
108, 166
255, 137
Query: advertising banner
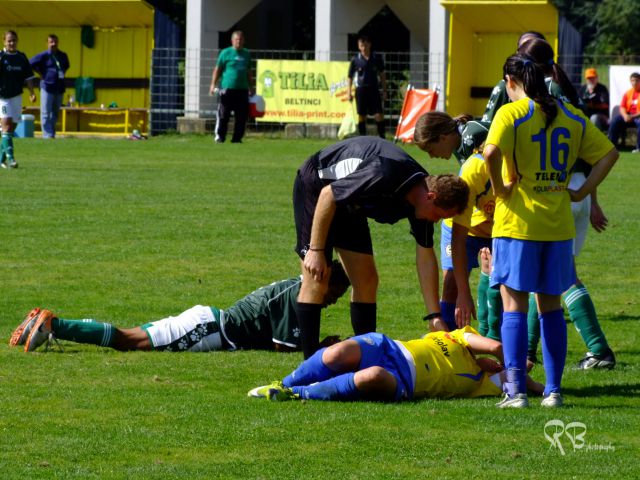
299, 91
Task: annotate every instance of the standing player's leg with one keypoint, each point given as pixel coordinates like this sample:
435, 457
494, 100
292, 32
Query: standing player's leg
222, 116
581, 309
241, 112
556, 274
483, 288
449, 287
361, 108
361, 270
306, 189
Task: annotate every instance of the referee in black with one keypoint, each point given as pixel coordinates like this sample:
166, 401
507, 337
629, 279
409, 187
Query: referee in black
364, 69
336, 190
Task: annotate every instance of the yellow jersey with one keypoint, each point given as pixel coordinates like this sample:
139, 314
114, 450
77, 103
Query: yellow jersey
478, 216
539, 208
445, 367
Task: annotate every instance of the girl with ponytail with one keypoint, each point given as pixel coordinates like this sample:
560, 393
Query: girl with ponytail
531, 148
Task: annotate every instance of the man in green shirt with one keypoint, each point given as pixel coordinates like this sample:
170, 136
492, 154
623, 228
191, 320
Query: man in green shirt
263, 320
233, 71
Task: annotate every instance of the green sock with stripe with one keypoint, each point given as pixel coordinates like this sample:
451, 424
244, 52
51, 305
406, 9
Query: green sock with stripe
494, 314
7, 145
84, 331
533, 326
583, 315
483, 308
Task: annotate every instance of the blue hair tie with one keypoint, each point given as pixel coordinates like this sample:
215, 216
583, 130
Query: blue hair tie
526, 62
550, 62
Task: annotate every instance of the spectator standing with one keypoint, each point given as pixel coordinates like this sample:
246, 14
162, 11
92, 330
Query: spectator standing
51, 65
595, 97
14, 71
364, 69
233, 71
629, 115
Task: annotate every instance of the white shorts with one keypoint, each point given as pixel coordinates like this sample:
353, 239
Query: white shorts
11, 108
195, 330
581, 213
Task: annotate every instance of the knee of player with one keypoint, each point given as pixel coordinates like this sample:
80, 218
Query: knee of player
374, 378
343, 356
312, 289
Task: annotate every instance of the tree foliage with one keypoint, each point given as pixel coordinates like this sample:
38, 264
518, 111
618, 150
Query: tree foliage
608, 27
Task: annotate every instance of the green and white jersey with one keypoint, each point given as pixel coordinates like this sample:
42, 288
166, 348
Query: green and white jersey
264, 317
473, 135
14, 70
498, 98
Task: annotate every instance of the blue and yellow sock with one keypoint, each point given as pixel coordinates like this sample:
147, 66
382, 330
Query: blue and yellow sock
448, 312
554, 348
514, 347
84, 331
311, 370
342, 387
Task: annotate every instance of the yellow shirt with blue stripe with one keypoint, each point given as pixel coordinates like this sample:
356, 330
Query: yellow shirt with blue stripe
478, 216
539, 208
445, 367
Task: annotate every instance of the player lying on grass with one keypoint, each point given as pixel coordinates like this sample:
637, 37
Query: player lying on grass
265, 320
375, 367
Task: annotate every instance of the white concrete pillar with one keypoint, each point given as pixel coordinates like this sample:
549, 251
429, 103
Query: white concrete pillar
205, 20
438, 47
336, 19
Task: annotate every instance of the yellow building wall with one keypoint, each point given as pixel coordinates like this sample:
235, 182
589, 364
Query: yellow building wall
121, 52
482, 34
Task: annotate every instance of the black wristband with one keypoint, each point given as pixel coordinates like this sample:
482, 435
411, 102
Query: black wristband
431, 316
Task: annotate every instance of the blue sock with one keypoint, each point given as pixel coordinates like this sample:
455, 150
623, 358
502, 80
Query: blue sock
341, 387
514, 347
448, 311
554, 348
309, 371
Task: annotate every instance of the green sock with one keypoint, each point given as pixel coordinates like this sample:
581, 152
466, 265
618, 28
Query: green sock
533, 326
494, 313
7, 145
584, 318
84, 331
483, 308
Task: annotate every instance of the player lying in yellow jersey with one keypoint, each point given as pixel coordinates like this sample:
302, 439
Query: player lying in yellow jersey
375, 367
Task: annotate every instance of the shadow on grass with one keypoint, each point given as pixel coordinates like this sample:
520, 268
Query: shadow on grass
619, 390
619, 318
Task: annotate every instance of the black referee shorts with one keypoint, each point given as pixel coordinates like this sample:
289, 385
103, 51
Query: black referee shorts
349, 230
368, 101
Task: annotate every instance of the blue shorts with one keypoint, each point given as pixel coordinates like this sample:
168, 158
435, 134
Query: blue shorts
531, 266
378, 350
474, 245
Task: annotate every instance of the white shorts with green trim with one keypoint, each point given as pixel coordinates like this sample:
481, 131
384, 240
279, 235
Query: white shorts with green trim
11, 108
194, 330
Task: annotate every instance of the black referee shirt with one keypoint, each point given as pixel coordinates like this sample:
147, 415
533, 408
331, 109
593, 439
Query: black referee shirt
371, 176
366, 71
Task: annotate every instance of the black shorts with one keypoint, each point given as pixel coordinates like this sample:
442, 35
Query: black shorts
368, 101
349, 231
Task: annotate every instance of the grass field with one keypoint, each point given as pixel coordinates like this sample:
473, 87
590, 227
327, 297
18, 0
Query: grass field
128, 232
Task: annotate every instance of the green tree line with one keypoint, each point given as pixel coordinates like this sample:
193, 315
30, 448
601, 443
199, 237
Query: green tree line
608, 27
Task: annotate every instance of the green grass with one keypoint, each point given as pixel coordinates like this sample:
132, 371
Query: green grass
133, 231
